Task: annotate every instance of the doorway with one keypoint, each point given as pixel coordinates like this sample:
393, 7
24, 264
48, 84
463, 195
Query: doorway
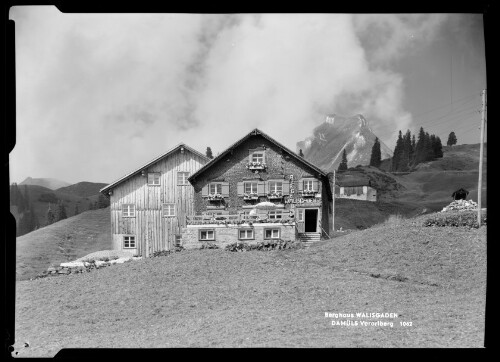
310, 220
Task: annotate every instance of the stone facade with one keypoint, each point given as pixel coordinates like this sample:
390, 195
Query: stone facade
225, 235
230, 170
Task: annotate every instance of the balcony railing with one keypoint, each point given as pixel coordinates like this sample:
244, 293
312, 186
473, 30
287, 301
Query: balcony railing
238, 219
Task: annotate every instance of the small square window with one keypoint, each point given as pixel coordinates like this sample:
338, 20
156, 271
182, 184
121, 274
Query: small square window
271, 233
128, 242
182, 178
277, 214
207, 234
177, 240
128, 210
153, 178
245, 234
168, 209
258, 157
275, 187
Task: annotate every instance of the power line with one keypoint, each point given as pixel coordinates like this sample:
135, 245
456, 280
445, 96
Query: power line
446, 105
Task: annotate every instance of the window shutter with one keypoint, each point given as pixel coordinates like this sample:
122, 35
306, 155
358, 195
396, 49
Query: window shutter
240, 189
267, 189
286, 187
204, 191
261, 188
301, 185
225, 189
315, 185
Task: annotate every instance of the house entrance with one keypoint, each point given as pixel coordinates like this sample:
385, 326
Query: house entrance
310, 220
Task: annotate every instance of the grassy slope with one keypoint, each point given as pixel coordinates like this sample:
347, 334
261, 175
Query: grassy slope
62, 241
83, 189
212, 298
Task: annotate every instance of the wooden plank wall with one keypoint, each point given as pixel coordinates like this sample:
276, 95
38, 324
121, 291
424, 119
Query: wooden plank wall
153, 231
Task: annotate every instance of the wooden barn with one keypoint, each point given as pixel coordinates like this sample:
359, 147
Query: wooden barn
149, 205
257, 189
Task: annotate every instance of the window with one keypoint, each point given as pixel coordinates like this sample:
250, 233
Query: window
128, 210
300, 214
182, 178
207, 234
177, 241
271, 233
153, 178
277, 214
245, 234
275, 187
128, 242
215, 188
308, 185
258, 156
168, 209
250, 187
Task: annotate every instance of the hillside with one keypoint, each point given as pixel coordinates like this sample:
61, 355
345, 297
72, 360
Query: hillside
324, 148
83, 189
50, 183
426, 189
62, 241
214, 298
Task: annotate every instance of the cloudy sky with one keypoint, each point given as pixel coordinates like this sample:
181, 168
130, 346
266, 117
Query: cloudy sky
98, 95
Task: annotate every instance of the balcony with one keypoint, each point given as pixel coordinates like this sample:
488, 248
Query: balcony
237, 219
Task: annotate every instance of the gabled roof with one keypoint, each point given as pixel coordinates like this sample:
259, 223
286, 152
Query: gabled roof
255, 132
161, 157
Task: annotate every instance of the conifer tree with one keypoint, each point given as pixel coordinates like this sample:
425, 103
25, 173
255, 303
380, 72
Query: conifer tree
102, 202
61, 211
209, 153
343, 163
50, 217
301, 154
438, 148
398, 153
429, 147
32, 219
77, 210
452, 139
420, 147
413, 149
376, 157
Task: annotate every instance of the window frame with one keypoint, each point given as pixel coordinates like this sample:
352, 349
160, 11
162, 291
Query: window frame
129, 241
272, 229
246, 232
300, 215
163, 209
217, 185
275, 213
128, 213
184, 178
206, 230
159, 179
307, 182
250, 183
280, 191
259, 154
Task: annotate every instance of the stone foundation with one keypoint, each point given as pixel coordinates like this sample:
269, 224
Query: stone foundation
228, 234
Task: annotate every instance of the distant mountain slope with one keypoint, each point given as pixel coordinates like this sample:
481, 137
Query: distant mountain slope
62, 241
50, 183
324, 148
83, 189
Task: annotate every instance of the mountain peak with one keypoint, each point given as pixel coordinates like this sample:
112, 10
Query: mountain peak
324, 148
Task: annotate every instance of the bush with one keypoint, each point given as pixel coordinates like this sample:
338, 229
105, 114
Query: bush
458, 219
265, 245
208, 245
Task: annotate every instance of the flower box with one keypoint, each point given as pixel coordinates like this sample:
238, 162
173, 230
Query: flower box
215, 197
256, 165
250, 196
309, 193
274, 196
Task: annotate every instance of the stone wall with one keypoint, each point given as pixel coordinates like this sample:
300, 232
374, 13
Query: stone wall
225, 235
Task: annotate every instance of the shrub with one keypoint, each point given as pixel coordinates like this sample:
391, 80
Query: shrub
265, 245
208, 245
458, 219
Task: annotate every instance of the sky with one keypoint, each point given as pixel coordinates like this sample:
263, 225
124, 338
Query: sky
99, 95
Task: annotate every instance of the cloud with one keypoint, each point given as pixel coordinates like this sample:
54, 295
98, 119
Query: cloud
111, 91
